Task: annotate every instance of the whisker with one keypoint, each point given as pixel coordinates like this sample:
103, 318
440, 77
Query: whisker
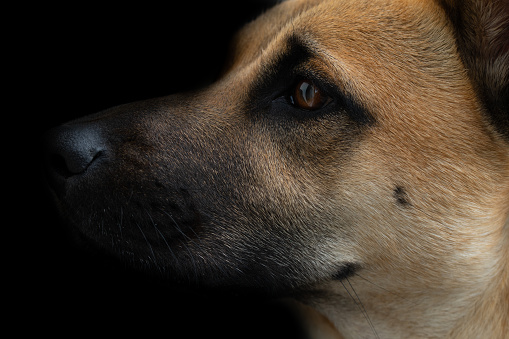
193, 261
191, 256
130, 196
121, 222
153, 258
383, 289
360, 305
162, 235
177, 227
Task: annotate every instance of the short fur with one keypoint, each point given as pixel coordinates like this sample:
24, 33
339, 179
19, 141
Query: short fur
387, 210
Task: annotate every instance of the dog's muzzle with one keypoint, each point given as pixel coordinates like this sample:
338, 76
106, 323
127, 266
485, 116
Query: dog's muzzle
153, 182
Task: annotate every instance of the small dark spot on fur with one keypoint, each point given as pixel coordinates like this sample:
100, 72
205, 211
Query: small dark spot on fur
401, 196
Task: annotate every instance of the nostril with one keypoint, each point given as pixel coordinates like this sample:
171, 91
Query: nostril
57, 163
75, 159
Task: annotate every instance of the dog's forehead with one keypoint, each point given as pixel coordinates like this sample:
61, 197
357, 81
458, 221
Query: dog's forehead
258, 34
357, 35
330, 21
379, 49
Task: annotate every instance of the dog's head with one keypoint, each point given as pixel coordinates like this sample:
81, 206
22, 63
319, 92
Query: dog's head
342, 137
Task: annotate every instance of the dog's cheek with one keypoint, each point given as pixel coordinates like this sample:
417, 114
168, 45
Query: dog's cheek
299, 224
416, 221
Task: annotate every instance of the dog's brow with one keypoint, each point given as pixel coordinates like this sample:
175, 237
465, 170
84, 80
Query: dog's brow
295, 60
284, 62
297, 50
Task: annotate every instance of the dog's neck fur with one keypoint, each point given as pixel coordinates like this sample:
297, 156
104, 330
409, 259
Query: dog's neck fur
362, 307
488, 315
449, 314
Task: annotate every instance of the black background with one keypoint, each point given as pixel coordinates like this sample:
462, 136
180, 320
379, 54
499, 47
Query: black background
73, 59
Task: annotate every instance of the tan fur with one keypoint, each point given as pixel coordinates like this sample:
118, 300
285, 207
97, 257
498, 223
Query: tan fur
440, 268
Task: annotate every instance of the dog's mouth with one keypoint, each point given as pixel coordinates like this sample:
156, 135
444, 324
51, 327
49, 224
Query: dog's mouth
198, 212
189, 245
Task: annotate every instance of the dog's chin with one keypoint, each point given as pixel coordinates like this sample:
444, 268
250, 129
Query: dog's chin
184, 246
182, 266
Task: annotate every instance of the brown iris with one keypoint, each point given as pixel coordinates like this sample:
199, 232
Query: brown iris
308, 96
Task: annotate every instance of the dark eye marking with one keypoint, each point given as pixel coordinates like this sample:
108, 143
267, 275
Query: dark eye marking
292, 75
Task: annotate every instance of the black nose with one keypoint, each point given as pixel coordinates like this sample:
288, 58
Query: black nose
71, 150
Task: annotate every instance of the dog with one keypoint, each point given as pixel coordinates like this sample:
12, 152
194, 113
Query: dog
353, 156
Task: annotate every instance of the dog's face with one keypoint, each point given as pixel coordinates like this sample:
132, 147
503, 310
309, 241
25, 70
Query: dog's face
343, 138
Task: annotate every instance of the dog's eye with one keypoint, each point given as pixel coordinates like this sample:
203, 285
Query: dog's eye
307, 96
